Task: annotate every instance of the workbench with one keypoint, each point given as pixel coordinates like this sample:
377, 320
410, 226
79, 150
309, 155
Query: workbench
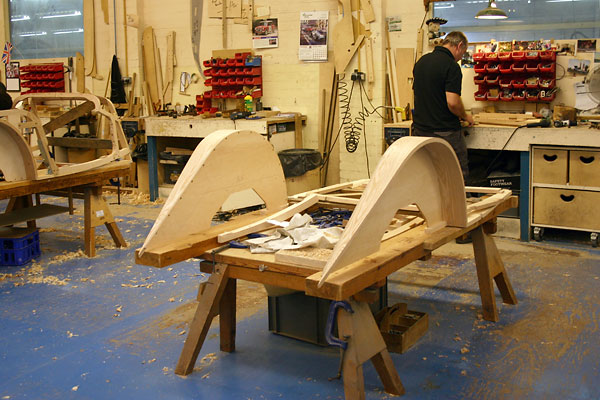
283, 132
217, 296
491, 137
20, 207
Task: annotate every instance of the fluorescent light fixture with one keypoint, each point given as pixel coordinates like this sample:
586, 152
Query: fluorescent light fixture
80, 30
73, 14
440, 6
561, 1
20, 18
491, 12
27, 34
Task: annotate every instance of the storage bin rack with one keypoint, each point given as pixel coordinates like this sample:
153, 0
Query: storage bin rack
228, 78
42, 78
515, 76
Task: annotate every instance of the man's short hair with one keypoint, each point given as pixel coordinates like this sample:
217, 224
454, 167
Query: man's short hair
455, 38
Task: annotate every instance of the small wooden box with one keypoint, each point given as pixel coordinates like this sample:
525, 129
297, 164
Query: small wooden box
562, 113
401, 328
584, 168
550, 166
80, 155
566, 208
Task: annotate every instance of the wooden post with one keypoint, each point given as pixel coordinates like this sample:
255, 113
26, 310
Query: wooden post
365, 343
96, 213
227, 316
489, 266
208, 308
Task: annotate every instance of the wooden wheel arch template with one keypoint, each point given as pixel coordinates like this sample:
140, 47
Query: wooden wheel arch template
101, 106
413, 170
225, 162
16, 160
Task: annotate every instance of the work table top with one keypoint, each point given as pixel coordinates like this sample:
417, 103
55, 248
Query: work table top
493, 137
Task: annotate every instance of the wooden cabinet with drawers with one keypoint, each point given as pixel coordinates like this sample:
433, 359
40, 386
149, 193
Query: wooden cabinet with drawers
565, 189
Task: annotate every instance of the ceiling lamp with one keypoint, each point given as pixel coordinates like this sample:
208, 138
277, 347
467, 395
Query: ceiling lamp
491, 12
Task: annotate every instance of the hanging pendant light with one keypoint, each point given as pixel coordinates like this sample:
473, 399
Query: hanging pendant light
491, 12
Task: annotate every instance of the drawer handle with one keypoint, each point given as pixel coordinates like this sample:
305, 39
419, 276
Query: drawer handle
587, 160
566, 198
550, 158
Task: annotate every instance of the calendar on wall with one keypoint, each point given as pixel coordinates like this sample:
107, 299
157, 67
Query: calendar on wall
314, 29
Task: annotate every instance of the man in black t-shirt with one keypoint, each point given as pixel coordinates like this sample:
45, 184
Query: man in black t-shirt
437, 87
5, 99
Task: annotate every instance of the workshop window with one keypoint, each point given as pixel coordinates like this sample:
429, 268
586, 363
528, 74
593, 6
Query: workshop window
46, 28
527, 19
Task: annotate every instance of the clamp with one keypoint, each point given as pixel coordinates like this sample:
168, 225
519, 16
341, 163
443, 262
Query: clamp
330, 338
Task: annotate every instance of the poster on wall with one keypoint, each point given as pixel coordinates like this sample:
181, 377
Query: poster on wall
13, 77
314, 29
265, 33
586, 45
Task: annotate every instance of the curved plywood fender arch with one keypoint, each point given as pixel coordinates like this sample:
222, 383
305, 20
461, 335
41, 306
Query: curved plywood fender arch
225, 162
16, 160
414, 170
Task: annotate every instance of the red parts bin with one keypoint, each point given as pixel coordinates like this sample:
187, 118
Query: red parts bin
479, 67
505, 56
532, 55
548, 55
532, 66
505, 68
505, 83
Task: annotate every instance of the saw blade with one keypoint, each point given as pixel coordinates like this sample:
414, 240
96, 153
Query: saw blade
196, 25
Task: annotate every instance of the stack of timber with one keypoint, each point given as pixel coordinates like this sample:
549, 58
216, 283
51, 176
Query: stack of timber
504, 119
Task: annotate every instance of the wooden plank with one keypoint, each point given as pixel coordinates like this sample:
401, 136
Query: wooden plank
445, 235
310, 257
104, 5
404, 64
266, 277
150, 73
31, 213
69, 116
194, 245
263, 224
89, 37
392, 255
169, 70
80, 72
82, 143
367, 8
99, 175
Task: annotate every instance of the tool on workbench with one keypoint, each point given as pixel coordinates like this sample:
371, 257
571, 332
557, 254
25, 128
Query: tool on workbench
544, 123
239, 115
330, 338
328, 218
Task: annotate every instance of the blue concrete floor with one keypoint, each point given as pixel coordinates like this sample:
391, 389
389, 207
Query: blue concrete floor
78, 328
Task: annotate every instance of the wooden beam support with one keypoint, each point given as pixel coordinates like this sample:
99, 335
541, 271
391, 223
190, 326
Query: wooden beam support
490, 268
207, 309
69, 116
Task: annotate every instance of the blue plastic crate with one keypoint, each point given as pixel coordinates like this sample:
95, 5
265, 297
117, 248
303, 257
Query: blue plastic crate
18, 246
